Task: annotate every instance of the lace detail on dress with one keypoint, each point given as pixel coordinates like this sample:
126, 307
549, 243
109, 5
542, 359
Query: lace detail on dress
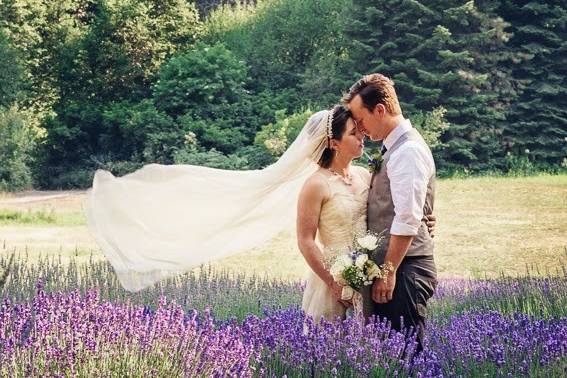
342, 217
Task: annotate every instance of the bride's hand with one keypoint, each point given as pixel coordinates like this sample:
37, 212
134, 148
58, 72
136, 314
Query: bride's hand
337, 291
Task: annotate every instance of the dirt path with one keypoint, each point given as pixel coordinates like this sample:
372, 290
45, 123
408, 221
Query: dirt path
66, 200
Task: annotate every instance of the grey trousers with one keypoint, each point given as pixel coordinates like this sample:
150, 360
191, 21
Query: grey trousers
416, 281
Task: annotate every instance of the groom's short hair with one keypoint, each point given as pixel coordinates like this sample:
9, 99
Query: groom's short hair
375, 89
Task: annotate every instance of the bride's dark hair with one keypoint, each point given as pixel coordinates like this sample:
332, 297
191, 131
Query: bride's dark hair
340, 117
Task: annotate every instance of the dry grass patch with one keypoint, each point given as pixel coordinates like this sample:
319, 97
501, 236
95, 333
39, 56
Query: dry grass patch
487, 226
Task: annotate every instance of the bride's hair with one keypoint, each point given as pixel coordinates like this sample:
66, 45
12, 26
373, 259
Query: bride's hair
340, 117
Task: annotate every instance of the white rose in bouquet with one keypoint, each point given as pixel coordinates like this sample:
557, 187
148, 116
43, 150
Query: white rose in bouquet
361, 260
340, 264
347, 260
337, 268
340, 279
369, 242
373, 271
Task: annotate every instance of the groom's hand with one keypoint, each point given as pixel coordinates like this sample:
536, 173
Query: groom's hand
431, 222
383, 292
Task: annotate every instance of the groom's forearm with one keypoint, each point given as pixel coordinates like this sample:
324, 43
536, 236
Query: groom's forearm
397, 249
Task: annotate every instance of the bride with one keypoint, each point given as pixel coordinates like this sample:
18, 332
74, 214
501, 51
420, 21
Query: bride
163, 220
331, 211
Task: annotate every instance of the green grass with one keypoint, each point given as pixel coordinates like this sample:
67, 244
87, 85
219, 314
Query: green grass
28, 217
487, 226
40, 217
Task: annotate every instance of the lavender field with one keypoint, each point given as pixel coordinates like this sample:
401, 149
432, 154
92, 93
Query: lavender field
75, 320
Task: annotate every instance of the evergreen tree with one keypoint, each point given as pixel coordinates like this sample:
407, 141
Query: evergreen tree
434, 53
537, 120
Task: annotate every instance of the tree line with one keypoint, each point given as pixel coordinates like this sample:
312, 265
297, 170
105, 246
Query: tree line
116, 84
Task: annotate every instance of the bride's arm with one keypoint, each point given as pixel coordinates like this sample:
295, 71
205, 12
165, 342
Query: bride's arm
312, 196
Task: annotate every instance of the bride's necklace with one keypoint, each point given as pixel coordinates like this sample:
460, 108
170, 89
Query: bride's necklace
347, 178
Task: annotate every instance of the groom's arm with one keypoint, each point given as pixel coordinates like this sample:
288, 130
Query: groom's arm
382, 290
409, 171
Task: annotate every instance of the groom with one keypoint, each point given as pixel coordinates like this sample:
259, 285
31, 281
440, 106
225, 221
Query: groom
402, 190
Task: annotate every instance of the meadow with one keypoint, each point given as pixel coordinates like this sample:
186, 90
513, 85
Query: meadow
500, 308
487, 226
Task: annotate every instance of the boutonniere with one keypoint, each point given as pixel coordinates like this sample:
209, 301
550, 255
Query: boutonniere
375, 162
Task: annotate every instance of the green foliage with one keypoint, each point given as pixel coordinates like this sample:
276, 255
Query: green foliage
17, 140
537, 120
120, 168
67, 177
139, 133
206, 90
276, 137
279, 39
72, 137
228, 23
257, 156
445, 59
11, 72
200, 78
25, 23
124, 47
211, 158
121, 83
105, 71
519, 165
29, 217
432, 125
204, 87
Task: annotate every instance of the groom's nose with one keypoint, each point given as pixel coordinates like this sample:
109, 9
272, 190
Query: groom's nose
361, 129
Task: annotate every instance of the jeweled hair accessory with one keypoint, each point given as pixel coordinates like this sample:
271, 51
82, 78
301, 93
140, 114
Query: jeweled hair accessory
330, 127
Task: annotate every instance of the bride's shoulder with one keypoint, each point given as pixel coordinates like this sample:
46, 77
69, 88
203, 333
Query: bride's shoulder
317, 183
362, 173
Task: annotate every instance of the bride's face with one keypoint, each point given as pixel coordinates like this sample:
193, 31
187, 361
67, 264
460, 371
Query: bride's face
351, 144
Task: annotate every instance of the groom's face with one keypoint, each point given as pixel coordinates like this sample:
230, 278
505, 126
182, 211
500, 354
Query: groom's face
368, 122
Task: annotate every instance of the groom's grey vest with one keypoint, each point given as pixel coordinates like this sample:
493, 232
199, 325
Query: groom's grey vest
380, 214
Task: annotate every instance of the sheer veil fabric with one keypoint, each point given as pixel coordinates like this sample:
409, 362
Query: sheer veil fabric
163, 220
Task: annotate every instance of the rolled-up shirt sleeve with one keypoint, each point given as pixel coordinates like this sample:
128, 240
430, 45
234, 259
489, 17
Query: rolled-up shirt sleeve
409, 172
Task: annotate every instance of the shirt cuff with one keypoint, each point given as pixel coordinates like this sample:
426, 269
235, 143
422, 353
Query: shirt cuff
403, 229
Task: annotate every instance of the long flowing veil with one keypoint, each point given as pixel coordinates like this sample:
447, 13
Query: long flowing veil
167, 219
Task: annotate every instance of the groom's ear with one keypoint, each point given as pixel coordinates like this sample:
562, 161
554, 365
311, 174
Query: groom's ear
380, 110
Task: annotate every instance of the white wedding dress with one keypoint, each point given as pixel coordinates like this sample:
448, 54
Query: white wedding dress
342, 217
163, 220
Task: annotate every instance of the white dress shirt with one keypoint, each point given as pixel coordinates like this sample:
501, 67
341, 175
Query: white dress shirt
409, 170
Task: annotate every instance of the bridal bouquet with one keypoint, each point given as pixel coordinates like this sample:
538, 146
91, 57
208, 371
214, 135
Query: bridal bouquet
355, 269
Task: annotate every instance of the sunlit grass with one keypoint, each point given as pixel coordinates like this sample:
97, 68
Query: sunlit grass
487, 226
